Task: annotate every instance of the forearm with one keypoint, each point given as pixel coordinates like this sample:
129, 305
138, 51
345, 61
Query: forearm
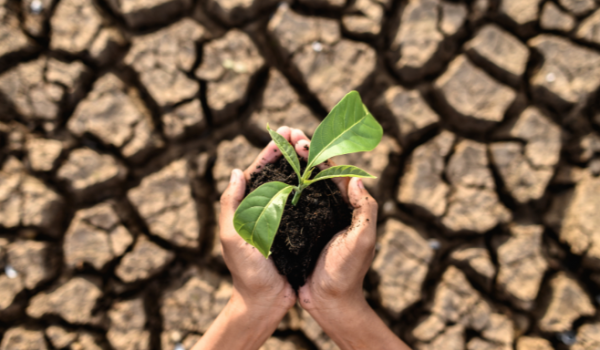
356, 326
239, 326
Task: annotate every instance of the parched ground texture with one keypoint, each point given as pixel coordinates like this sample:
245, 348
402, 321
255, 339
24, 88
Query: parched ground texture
121, 120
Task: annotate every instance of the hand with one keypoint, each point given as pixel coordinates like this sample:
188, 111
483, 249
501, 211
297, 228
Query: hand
338, 276
261, 296
333, 293
254, 277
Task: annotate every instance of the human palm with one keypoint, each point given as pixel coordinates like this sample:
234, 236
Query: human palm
254, 277
340, 270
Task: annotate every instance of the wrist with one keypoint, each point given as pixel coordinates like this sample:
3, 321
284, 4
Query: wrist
319, 306
272, 302
253, 311
353, 325
336, 311
241, 325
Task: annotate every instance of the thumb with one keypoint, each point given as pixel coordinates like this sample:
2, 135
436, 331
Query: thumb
231, 198
358, 195
364, 219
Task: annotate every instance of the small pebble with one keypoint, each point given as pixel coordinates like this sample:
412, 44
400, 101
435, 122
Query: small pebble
10, 272
36, 7
239, 67
434, 244
175, 336
550, 77
389, 207
228, 64
317, 46
179, 346
568, 338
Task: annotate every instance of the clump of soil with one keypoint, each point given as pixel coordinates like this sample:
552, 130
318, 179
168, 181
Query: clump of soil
306, 228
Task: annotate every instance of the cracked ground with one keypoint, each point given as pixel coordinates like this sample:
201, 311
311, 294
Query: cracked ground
121, 120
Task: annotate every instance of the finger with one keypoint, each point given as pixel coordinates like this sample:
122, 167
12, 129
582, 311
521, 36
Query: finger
303, 148
230, 200
268, 155
298, 135
364, 219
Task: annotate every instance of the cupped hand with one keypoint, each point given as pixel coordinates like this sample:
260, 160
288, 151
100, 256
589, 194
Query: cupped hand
337, 279
332, 294
255, 278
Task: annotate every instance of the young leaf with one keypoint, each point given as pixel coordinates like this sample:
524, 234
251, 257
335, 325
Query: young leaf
258, 216
348, 128
341, 171
287, 150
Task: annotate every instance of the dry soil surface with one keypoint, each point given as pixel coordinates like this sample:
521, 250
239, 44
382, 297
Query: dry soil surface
121, 120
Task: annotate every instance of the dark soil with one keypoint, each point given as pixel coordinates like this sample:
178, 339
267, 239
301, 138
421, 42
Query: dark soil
305, 229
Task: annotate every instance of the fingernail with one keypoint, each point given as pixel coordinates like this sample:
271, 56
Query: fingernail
281, 128
303, 143
360, 184
235, 174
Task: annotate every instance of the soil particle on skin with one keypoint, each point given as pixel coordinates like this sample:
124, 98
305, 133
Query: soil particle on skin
306, 228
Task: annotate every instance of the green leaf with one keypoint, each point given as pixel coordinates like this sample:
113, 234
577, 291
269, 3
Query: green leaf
341, 171
348, 128
287, 150
258, 216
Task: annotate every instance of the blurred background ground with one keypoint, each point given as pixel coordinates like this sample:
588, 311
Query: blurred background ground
121, 120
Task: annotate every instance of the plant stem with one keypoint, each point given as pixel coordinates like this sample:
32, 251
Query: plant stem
301, 186
296, 196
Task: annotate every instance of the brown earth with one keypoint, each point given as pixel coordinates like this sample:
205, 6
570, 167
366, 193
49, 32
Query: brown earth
120, 122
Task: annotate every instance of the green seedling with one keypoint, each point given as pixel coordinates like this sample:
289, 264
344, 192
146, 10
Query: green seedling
348, 128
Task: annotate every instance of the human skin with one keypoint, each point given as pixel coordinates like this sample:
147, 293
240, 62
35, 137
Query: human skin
261, 296
332, 295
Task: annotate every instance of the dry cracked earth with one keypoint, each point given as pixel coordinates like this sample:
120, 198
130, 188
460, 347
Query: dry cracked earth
121, 120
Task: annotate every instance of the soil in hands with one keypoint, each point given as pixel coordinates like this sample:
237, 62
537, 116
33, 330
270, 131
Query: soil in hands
306, 228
